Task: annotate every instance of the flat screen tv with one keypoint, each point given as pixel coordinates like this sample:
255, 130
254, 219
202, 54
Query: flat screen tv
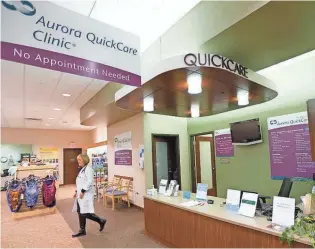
246, 132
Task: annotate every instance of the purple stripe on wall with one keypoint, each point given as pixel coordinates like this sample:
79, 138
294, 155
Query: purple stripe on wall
66, 63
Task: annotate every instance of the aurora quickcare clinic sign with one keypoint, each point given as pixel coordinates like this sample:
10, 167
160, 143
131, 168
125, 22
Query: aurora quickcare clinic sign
45, 35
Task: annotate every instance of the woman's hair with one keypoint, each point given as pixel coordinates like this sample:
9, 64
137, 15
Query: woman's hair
85, 158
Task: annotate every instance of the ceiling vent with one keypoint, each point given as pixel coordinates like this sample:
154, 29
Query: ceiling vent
33, 119
32, 122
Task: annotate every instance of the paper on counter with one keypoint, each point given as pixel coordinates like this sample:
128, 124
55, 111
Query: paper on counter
190, 203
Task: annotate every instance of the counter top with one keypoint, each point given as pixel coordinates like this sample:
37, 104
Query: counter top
215, 211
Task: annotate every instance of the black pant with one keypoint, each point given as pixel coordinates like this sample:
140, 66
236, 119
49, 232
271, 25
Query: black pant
83, 217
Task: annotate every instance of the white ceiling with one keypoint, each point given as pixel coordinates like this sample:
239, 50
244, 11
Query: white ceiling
31, 92
148, 19
294, 79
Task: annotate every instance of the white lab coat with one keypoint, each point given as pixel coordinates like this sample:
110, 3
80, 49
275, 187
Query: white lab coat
85, 181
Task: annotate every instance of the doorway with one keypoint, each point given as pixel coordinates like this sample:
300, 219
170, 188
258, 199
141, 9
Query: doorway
203, 162
165, 155
70, 165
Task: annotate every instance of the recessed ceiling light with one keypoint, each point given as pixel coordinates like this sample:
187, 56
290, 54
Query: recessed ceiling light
66, 94
47, 124
51, 118
57, 109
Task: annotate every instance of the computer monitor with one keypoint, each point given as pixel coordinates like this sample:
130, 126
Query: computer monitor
286, 187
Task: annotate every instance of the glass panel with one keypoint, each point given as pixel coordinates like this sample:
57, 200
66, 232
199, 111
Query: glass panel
161, 161
205, 163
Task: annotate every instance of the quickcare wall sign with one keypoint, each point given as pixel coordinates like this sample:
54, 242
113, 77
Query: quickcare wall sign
216, 61
45, 35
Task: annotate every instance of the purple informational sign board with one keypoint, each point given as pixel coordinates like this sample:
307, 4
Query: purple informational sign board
123, 157
223, 143
289, 145
123, 149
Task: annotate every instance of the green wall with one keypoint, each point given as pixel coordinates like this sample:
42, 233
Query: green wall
249, 169
160, 124
15, 150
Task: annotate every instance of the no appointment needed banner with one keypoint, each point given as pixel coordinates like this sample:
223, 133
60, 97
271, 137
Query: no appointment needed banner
45, 35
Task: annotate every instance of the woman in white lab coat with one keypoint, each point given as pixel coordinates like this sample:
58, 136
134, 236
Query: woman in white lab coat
84, 196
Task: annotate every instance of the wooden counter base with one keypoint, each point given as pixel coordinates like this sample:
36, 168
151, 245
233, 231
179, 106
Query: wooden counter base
35, 212
184, 229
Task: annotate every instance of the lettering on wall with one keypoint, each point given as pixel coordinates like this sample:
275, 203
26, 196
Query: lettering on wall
217, 61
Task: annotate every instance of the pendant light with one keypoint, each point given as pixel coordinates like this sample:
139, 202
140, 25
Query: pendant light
194, 83
148, 104
242, 98
194, 109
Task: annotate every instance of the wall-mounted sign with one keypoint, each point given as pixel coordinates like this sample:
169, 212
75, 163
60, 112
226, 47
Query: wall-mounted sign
123, 149
45, 35
289, 145
217, 61
223, 143
224, 160
141, 156
49, 156
72, 145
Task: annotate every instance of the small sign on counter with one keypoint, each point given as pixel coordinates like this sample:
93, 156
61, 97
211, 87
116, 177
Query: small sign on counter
248, 204
202, 190
233, 199
186, 195
283, 211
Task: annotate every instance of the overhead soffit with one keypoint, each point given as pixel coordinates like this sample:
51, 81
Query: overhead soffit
274, 33
219, 93
101, 110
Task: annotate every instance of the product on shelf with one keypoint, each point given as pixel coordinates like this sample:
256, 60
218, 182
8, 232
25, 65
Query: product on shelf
49, 191
14, 195
31, 191
26, 192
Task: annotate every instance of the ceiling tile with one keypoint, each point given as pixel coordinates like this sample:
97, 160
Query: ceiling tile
82, 7
161, 15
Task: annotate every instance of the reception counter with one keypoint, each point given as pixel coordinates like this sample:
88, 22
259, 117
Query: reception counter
209, 226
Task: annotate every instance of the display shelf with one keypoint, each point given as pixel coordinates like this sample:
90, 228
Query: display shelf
35, 212
38, 209
40, 171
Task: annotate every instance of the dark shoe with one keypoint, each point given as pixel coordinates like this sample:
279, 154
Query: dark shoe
79, 234
97, 219
102, 225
